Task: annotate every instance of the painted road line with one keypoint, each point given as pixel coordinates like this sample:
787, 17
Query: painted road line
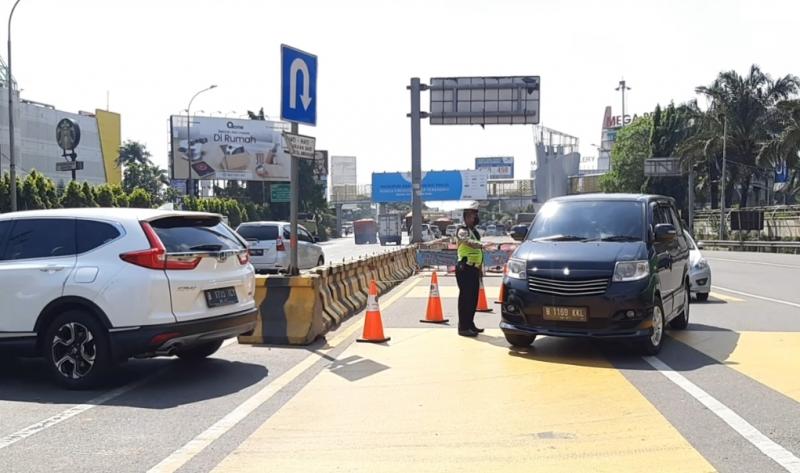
725, 297
74, 411
777, 265
754, 296
450, 292
767, 357
436, 402
184, 454
773, 450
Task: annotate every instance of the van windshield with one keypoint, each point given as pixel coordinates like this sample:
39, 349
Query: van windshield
589, 221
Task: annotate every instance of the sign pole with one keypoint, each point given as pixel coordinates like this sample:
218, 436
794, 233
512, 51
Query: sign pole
416, 163
294, 267
691, 198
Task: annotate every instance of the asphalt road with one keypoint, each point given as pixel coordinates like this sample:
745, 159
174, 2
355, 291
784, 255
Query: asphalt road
723, 395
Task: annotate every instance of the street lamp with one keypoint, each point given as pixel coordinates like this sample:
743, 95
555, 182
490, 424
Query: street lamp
10, 83
623, 87
190, 182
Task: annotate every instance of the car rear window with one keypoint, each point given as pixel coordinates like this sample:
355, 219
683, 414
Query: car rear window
187, 234
40, 238
92, 234
258, 232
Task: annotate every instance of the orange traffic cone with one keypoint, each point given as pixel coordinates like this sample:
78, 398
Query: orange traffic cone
483, 306
433, 315
502, 294
373, 325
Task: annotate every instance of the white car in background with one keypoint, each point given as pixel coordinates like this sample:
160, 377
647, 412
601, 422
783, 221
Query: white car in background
699, 271
88, 288
269, 246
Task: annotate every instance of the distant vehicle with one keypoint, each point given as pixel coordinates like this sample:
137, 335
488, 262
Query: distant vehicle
699, 270
347, 228
451, 230
86, 289
365, 231
427, 233
436, 232
390, 228
441, 225
518, 232
269, 246
524, 218
491, 230
500, 230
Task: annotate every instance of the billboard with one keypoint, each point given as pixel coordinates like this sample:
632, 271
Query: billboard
501, 167
321, 169
343, 171
229, 149
436, 185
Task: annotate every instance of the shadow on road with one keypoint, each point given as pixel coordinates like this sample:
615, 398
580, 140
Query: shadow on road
166, 383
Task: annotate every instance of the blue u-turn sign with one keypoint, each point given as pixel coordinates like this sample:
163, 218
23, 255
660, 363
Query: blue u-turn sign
298, 86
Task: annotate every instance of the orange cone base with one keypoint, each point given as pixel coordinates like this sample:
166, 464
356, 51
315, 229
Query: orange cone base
364, 340
443, 321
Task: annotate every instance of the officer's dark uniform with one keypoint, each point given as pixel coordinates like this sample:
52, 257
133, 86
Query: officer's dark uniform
468, 275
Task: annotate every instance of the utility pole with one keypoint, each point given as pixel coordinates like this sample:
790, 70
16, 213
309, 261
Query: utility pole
12, 160
722, 178
623, 87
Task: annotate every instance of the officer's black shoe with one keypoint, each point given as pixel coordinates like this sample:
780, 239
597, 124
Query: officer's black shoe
468, 333
479, 330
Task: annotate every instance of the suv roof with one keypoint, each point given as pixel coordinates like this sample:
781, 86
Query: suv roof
614, 197
112, 213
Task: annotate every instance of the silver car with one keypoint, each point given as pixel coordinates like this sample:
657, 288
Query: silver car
269, 246
699, 271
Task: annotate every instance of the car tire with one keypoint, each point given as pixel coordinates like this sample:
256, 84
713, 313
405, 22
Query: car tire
682, 320
321, 261
651, 344
518, 340
702, 296
77, 350
200, 352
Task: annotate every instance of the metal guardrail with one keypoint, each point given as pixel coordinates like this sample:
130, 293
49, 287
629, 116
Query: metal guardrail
743, 244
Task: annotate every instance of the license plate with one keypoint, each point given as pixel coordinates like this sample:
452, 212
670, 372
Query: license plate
221, 296
256, 252
566, 314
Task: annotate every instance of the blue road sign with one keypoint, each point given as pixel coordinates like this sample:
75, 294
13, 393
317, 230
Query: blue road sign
436, 185
782, 172
298, 86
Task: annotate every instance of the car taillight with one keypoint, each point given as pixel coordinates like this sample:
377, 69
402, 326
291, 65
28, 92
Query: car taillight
156, 256
244, 257
279, 246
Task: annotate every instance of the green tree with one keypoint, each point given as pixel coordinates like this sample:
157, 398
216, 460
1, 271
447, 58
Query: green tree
105, 197
133, 152
88, 195
73, 196
140, 199
630, 150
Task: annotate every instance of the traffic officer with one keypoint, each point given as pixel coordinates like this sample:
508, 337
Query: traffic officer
469, 270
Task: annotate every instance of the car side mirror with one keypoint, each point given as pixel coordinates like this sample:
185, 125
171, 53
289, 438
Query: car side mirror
665, 232
519, 234
700, 245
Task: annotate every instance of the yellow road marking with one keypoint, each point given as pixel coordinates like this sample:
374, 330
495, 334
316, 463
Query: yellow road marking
436, 402
451, 292
725, 297
771, 358
184, 454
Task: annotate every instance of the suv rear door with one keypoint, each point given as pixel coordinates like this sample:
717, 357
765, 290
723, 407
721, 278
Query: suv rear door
262, 238
36, 259
207, 266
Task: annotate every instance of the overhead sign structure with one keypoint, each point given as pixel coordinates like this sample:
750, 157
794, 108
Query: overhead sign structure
300, 146
499, 168
436, 185
662, 167
229, 149
298, 86
484, 100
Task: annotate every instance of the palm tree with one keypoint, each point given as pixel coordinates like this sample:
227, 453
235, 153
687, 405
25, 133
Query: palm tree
133, 152
784, 147
747, 103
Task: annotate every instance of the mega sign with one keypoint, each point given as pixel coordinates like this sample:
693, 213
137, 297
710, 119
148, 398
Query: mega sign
617, 121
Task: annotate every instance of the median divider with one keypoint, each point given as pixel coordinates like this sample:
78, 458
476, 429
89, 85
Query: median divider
296, 310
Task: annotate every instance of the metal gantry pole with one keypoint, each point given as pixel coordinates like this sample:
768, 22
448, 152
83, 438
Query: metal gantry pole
691, 199
722, 178
416, 162
12, 159
294, 268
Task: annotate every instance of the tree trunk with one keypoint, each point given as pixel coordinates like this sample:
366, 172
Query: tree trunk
745, 190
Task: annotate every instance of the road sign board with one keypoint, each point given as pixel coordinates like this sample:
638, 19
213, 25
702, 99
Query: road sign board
300, 146
662, 167
279, 193
484, 100
298, 86
69, 166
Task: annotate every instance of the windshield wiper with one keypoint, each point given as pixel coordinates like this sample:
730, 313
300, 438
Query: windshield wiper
561, 238
616, 238
206, 248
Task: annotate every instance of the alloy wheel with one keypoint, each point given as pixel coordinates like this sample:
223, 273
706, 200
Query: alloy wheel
73, 350
658, 326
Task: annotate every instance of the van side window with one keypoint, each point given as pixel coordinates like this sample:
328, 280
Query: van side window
660, 215
675, 220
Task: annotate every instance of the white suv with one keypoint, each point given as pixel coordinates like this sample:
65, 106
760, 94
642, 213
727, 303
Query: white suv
86, 288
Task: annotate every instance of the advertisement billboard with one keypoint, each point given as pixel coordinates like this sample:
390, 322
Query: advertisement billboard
501, 167
343, 171
321, 169
229, 149
436, 185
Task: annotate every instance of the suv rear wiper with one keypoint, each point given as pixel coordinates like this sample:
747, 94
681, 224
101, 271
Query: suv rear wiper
617, 238
561, 238
206, 248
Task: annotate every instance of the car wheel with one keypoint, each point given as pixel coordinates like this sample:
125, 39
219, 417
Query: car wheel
651, 344
702, 296
520, 341
77, 350
200, 352
682, 321
321, 261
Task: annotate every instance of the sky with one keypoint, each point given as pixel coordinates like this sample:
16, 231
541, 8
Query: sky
149, 57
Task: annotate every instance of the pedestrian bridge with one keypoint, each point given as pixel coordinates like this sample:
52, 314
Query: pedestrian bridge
496, 190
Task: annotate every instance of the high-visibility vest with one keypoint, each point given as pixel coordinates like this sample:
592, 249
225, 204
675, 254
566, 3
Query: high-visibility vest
474, 255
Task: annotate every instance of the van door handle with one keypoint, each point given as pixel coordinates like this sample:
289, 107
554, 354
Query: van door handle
51, 269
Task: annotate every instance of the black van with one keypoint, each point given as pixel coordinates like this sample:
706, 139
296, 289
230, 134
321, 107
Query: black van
599, 265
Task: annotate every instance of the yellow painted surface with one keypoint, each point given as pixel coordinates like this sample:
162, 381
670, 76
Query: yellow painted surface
110, 133
771, 358
431, 401
422, 292
724, 297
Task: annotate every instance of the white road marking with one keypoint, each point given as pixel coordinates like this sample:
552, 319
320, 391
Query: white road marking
183, 455
774, 451
754, 296
777, 265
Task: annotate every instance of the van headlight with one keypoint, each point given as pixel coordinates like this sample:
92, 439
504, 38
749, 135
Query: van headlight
701, 264
517, 268
631, 270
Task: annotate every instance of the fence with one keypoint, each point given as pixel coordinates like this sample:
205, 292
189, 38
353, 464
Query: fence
781, 223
